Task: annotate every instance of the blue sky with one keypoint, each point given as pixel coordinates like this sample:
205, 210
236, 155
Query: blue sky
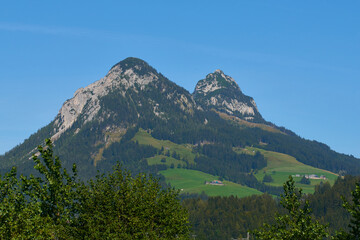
299, 60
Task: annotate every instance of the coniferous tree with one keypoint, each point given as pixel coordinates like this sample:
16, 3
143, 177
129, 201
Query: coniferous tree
297, 224
354, 209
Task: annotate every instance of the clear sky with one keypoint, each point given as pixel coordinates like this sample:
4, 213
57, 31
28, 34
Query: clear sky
299, 60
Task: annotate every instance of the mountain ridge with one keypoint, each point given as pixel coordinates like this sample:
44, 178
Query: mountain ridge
120, 74
102, 118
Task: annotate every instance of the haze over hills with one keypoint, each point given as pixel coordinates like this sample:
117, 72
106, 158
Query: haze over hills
137, 116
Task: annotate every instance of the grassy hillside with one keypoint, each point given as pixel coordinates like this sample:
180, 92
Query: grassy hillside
248, 124
184, 150
190, 181
280, 166
193, 181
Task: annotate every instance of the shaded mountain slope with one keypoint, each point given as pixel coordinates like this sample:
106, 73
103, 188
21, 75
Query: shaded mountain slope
95, 128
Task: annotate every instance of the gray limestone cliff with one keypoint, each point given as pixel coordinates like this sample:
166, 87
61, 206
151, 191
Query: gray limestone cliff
131, 75
221, 93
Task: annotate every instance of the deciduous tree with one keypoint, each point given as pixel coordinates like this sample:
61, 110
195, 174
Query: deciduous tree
55, 205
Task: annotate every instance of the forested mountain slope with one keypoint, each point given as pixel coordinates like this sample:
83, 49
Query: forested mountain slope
96, 128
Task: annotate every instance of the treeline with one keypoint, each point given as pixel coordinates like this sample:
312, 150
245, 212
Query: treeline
326, 202
226, 155
229, 217
221, 160
232, 217
312, 153
131, 155
220, 131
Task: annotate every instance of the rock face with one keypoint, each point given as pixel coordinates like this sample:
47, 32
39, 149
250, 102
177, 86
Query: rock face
221, 93
217, 91
130, 76
134, 95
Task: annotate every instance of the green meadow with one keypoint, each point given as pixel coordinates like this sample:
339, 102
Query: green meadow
280, 166
184, 150
192, 181
188, 181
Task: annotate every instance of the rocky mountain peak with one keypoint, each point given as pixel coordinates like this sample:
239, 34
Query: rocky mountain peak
220, 92
215, 81
138, 66
131, 82
130, 73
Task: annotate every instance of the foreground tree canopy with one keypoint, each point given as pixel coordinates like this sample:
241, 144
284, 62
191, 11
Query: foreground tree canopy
56, 205
353, 208
298, 223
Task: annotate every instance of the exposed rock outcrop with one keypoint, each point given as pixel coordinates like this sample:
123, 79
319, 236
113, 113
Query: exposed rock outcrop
220, 92
131, 73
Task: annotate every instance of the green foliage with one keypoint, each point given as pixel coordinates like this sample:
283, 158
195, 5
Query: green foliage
130, 154
305, 180
229, 217
311, 153
354, 209
55, 205
282, 165
267, 178
234, 161
327, 205
218, 219
222, 161
297, 224
39, 207
118, 206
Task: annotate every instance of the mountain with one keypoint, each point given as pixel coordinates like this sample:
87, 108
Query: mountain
129, 91
132, 93
220, 92
138, 117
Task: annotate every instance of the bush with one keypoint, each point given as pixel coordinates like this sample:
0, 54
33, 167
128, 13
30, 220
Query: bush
115, 206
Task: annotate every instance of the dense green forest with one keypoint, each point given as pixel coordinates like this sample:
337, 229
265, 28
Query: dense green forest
326, 202
231, 217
